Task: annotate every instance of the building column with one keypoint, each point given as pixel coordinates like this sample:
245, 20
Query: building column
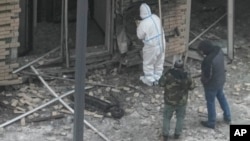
230, 25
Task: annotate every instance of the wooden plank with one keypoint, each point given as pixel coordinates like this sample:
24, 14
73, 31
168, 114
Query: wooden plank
5, 14
16, 10
7, 73
5, 19
52, 117
14, 24
2, 78
2, 57
10, 82
8, 7
5, 36
4, 70
7, 76
8, 23
2, 49
11, 76
5, 22
8, 28
12, 34
9, 1
2, 75
10, 45
4, 66
2, 43
6, 52
5, 32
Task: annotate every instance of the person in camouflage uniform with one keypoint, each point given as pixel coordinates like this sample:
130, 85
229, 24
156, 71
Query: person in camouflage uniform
177, 83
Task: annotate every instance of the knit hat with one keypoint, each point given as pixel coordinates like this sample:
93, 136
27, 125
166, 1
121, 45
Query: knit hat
178, 64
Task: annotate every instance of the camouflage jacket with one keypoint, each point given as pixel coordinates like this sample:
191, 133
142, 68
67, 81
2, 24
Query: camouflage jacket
177, 83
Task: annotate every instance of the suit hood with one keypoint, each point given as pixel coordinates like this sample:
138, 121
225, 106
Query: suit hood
145, 11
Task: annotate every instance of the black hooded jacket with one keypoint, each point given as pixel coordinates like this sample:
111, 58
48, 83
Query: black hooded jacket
212, 67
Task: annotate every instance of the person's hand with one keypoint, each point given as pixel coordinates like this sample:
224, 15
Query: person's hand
204, 80
137, 22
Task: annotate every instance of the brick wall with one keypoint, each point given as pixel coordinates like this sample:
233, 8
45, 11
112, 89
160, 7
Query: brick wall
173, 15
9, 24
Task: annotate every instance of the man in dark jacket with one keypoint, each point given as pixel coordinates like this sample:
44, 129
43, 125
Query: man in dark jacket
177, 83
213, 78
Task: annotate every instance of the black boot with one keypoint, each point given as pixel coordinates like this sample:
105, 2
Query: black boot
227, 121
206, 124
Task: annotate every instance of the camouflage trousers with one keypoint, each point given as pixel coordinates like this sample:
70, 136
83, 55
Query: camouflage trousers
167, 115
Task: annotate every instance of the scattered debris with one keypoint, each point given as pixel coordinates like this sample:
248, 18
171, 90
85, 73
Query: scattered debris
52, 117
114, 108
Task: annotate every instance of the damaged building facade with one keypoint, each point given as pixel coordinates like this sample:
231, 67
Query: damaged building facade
111, 25
110, 16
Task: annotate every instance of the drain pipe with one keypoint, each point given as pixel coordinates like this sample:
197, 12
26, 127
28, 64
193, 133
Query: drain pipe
162, 29
80, 68
66, 26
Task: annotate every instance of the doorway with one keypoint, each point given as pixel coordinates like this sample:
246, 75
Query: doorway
47, 29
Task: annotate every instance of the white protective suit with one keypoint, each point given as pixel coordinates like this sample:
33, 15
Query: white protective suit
150, 32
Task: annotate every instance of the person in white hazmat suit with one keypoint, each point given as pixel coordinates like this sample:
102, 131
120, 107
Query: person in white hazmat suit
152, 35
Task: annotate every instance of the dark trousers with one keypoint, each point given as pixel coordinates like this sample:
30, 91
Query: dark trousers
168, 113
210, 98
